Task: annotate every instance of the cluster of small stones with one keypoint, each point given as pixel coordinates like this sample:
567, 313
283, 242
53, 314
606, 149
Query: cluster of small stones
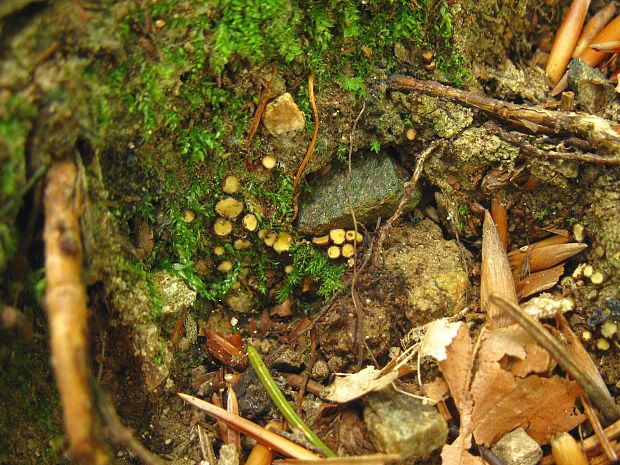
340, 243
230, 210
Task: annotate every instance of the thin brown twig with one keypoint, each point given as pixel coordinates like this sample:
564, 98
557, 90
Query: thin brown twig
598, 131
315, 135
409, 190
531, 149
67, 313
598, 430
119, 432
262, 104
601, 399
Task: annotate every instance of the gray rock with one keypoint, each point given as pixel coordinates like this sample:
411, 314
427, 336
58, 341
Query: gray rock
593, 89
435, 281
517, 448
175, 295
400, 424
376, 189
228, 455
282, 115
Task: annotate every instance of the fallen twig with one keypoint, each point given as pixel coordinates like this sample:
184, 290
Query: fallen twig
315, 112
598, 131
598, 431
409, 190
65, 299
599, 397
258, 433
260, 109
119, 432
531, 149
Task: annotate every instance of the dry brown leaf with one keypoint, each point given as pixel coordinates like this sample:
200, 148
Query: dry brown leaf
537, 360
537, 282
436, 390
454, 454
439, 334
502, 402
347, 387
456, 368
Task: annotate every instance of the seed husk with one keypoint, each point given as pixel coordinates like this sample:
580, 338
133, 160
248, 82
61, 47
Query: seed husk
565, 40
566, 451
229, 207
222, 227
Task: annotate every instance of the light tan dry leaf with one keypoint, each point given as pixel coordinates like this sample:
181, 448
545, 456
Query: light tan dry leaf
439, 334
457, 452
537, 282
436, 390
454, 454
502, 402
537, 360
456, 368
347, 387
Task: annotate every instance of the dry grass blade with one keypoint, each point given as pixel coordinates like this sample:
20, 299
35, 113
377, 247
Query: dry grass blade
256, 432
375, 459
599, 397
565, 39
495, 274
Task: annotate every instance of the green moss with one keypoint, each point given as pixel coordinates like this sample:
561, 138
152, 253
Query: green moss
311, 262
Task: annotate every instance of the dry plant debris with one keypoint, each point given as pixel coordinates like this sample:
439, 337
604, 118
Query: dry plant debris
65, 298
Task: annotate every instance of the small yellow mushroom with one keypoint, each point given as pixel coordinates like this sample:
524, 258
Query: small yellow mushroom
218, 250
586, 336
250, 222
411, 134
242, 244
230, 184
587, 271
283, 243
597, 278
578, 232
270, 238
348, 250
160, 23
269, 162
333, 252
602, 344
188, 216
229, 207
222, 227
351, 262
578, 273
337, 236
225, 266
351, 236
609, 328
288, 269
321, 240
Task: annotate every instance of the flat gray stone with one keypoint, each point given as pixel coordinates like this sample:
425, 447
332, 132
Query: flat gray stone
517, 448
400, 424
593, 89
376, 188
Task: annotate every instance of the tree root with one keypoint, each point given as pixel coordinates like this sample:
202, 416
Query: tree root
597, 131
